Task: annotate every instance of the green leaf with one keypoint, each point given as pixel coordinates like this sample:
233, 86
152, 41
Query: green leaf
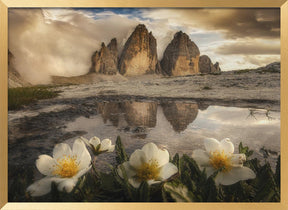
278, 172
121, 155
179, 193
143, 192
245, 150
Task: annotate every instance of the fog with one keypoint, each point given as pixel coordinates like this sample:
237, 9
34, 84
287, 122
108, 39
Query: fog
45, 44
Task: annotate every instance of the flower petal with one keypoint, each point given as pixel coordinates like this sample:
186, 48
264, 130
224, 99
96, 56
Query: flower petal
82, 154
85, 141
235, 175
162, 157
209, 171
61, 150
201, 157
134, 182
211, 145
105, 144
130, 172
227, 146
237, 160
40, 187
167, 171
112, 148
45, 164
150, 182
94, 141
82, 172
67, 185
151, 151
137, 158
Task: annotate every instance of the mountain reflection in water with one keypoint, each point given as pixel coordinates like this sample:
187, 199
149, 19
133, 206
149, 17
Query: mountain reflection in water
181, 126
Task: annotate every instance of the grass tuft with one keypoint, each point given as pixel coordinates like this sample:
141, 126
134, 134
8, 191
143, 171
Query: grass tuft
21, 96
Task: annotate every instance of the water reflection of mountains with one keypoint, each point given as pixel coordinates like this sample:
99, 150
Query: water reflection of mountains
137, 115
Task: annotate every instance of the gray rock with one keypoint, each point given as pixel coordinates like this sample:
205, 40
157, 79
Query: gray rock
139, 55
106, 60
181, 56
206, 66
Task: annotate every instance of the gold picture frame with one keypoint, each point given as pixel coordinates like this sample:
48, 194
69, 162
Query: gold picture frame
5, 4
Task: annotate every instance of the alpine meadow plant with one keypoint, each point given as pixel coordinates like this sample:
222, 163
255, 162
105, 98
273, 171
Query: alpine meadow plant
149, 174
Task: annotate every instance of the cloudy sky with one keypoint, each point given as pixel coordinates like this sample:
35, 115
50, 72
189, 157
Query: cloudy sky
60, 42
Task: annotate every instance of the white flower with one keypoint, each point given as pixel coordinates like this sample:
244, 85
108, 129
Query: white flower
64, 168
219, 156
148, 164
97, 146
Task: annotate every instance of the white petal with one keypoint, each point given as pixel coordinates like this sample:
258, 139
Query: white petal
151, 151
67, 185
134, 182
137, 158
201, 157
112, 148
167, 171
211, 145
41, 187
209, 171
130, 172
150, 182
94, 141
237, 160
45, 165
82, 172
227, 146
105, 144
61, 150
85, 141
162, 157
82, 154
235, 175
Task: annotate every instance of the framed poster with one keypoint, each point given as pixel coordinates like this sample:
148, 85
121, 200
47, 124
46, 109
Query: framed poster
144, 104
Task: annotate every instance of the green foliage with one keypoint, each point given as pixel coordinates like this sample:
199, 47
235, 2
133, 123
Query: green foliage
245, 150
190, 184
121, 155
18, 97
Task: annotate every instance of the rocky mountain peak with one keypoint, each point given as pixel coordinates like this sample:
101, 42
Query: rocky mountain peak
139, 55
206, 66
106, 60
181, 56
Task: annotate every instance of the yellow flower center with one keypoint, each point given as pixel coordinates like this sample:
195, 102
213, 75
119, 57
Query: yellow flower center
220, 161
67, 167
148, 171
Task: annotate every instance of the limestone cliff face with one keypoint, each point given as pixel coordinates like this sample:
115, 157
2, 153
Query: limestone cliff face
139, 55
206, 66
106, 60
181, 56
180, 115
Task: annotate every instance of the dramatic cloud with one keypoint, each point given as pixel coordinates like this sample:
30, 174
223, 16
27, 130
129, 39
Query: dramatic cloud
59, 42
233, 23
249, 48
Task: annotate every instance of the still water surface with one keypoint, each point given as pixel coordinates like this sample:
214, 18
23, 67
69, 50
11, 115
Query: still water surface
180, 127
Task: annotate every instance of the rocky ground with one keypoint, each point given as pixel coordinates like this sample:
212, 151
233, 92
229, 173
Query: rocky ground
241, 89
41, 125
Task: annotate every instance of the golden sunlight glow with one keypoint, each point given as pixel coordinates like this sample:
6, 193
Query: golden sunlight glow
220, 161
67, 167
148, 171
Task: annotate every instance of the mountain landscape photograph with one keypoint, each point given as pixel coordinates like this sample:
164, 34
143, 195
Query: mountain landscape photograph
144, 105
